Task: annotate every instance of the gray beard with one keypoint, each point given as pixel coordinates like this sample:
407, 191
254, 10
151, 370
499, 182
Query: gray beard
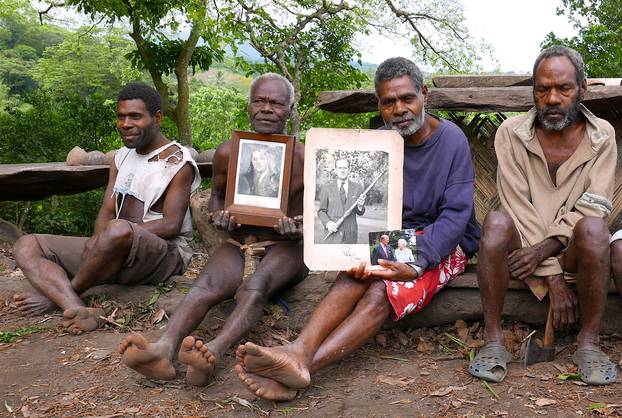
416, 124
569, 117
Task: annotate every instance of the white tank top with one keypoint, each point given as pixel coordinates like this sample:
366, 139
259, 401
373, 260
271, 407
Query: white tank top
147, 180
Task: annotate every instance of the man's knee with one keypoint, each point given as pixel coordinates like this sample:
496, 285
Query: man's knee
375, 301
497, 231
591, 235
255, 289
117, 236
25, 249
346, 282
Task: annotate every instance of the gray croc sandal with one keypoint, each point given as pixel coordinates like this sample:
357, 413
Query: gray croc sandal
594, 367
490, 357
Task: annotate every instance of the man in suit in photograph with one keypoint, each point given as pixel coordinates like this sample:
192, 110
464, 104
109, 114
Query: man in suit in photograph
336, 197
382, 250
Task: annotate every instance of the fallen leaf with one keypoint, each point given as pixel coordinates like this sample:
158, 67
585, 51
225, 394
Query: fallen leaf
446, 391
131, 410
381, 340
26, 411
394, 381
424, 373
401, 402
424, 346
545, 402
157, 316
456, 404
8, 408
501, 413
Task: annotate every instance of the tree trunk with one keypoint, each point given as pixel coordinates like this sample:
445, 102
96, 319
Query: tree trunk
182, 110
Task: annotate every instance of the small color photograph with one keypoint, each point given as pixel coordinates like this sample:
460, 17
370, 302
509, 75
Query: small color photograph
397, 245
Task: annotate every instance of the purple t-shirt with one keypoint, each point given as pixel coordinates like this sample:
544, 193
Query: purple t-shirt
438, 195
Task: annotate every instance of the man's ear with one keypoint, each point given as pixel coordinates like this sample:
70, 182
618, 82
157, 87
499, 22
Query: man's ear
583, 89
425, 92
158, 117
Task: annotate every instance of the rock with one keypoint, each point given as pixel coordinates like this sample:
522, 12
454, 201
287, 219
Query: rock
77, 156
9, 232
94, 158
211, 236
6, 264
109, 157
193, 153
206, 156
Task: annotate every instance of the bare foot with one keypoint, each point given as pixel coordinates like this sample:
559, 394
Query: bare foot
31, 304
150, 360
265, 388
276, 363
199, 359
82, 319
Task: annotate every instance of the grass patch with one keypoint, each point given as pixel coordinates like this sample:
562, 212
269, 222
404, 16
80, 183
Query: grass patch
10, 336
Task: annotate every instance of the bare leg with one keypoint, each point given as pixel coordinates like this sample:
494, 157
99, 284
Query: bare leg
498, 240
290, 364
591, 247
281, 267
616, 264
218, 281
368, 316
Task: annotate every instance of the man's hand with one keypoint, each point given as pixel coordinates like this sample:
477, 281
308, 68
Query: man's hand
564, 303
523, 262
290, 227
360, 202
359, 272
395, 271
332, 226
88, 246
224, 220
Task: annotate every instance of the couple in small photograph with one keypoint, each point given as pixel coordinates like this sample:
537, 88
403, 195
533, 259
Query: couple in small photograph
385, 251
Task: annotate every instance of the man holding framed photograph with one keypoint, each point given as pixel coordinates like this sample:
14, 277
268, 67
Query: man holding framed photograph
228, 273
437, 201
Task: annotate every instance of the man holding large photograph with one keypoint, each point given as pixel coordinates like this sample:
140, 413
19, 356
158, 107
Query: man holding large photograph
437, 200
225, 275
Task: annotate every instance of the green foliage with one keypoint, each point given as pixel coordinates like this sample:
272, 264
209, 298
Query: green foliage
85, 63
22, 42
10, 336
216, 111
599, 39
51, 126
62, 215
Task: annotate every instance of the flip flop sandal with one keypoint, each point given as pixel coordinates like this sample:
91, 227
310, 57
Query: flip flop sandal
595, 368
489, 357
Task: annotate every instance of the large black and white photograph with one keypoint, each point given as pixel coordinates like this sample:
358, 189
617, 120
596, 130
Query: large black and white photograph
260, 173
353, 186
351, 195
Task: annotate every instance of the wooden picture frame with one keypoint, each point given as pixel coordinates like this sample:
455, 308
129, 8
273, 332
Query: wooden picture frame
259, 176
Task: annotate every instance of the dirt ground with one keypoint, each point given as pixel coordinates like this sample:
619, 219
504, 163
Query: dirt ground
48, 373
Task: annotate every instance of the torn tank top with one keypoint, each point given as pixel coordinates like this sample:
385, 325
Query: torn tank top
146, 177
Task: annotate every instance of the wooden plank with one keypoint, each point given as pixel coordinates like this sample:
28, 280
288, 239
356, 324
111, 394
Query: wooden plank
503, 80
481, 80
481, 99
39, 180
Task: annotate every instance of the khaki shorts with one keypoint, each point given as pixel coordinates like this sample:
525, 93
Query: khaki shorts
151, 259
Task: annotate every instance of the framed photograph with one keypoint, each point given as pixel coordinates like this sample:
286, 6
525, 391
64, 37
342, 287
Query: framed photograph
259, 175
353, 186
398, 245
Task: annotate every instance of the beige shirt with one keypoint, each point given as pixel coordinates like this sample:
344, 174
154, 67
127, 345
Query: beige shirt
584, 182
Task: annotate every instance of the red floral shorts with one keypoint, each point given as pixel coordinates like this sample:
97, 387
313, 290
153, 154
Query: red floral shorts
411, 297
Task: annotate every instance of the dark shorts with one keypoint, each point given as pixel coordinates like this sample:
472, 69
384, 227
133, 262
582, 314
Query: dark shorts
151, 259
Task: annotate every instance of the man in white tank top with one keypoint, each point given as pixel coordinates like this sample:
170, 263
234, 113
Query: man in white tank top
223, 277
140, 231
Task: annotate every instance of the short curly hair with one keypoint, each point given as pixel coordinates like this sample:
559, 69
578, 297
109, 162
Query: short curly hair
398, 67
144, 92
562, 51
